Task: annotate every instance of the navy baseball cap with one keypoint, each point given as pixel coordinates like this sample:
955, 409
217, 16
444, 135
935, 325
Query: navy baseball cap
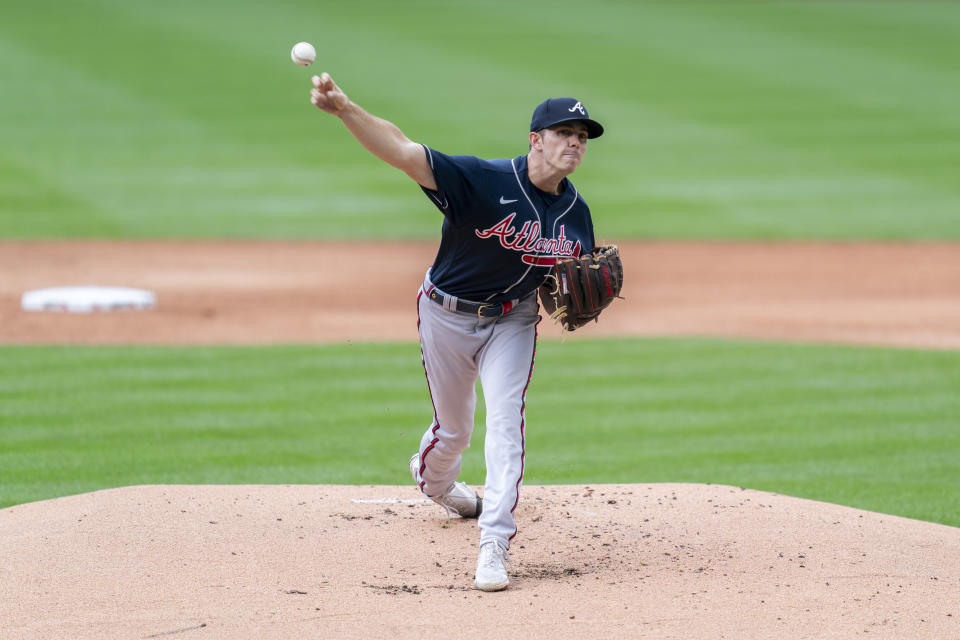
557, 110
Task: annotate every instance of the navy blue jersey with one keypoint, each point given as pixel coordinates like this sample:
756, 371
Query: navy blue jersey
501, 234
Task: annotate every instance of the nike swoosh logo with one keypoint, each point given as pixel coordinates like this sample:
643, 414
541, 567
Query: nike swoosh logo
505, 201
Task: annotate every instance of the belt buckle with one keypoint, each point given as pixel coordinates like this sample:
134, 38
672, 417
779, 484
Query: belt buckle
481, 308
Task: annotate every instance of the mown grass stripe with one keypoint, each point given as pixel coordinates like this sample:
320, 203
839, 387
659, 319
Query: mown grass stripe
868, 427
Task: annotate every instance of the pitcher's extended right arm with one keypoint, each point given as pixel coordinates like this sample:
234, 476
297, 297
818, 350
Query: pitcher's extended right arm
380, 137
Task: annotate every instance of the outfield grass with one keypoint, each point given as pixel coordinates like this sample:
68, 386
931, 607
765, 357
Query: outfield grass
725, 119
867, 427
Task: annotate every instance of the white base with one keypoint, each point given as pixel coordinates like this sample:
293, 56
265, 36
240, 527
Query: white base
87, 299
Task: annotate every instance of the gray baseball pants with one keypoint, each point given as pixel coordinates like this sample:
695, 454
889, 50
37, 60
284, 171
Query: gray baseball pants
457, 349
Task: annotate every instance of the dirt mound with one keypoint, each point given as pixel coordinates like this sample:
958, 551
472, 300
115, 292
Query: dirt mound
663, 561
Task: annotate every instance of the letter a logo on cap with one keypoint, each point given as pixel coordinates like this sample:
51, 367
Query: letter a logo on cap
577, 107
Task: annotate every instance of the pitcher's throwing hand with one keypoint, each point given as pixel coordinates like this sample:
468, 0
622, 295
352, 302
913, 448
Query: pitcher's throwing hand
327, 95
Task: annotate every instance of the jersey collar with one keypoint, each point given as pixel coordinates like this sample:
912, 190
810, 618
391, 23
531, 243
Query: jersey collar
567, 194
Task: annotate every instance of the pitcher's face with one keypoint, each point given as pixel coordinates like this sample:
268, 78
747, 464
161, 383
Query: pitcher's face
564, 145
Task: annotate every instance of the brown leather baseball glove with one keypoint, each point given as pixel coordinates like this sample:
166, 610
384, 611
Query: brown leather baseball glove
578, 289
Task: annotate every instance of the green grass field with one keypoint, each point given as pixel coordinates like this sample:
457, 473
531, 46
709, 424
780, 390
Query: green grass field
747, 120
725, 120
872, 428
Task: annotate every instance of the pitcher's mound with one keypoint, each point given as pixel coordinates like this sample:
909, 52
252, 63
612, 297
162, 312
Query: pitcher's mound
652, 561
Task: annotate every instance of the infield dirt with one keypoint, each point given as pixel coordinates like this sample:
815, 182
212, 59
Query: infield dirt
262, 292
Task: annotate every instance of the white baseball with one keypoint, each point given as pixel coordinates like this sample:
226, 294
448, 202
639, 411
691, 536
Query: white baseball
303, 54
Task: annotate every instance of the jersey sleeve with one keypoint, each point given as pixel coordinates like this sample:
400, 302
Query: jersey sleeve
454, 184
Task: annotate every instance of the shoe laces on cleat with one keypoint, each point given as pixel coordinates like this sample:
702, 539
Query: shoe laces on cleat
493, 555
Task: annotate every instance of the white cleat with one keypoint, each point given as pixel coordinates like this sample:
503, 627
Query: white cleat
415, 468
460, 501
492, 567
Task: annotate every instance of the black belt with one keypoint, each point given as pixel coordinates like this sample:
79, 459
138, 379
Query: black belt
479, 309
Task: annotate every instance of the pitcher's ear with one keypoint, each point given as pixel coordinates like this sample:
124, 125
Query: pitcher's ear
536, 140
